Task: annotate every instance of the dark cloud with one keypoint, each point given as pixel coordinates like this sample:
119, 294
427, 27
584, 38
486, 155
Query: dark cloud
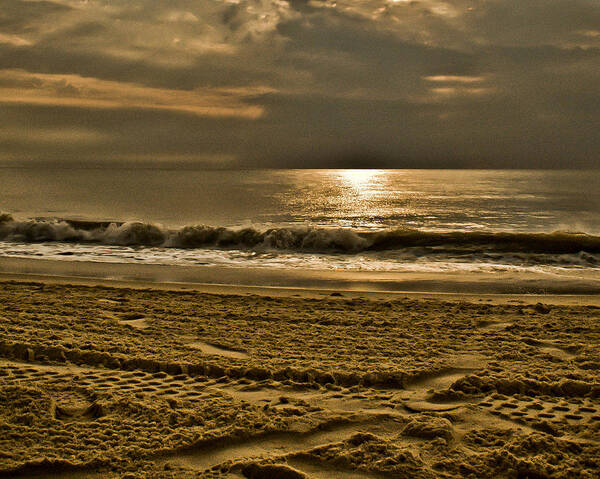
18, 16
535, 22
302, 83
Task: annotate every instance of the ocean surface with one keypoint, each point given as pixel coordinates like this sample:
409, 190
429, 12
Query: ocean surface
355, 220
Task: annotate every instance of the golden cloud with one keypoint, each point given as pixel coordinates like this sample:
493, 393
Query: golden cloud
14, 40
454, 79
17, 86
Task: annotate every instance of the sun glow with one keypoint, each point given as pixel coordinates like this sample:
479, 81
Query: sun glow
363, 182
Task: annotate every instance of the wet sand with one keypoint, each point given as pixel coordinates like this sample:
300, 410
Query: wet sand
573, 282
139, 381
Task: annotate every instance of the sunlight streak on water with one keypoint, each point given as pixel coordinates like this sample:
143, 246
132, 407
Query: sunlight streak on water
362, 200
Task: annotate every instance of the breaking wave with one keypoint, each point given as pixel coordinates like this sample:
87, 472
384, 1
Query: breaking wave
305, 239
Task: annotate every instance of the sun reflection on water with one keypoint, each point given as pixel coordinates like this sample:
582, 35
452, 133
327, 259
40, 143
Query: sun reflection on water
360, 195
365, 183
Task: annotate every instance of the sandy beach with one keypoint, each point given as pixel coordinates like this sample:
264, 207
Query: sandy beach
122, 381
299, 239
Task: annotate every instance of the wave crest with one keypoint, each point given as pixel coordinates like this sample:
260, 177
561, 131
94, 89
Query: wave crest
310, 239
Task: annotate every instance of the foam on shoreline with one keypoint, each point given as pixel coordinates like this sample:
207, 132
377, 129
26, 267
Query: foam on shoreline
478, 283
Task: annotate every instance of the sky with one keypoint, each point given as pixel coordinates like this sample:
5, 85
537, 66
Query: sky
301, 83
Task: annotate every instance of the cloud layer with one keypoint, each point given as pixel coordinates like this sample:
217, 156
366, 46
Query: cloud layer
303, 83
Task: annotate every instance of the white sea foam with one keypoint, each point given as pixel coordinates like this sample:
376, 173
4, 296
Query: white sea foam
554, 245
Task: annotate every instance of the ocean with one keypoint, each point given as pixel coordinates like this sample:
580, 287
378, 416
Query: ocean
403, 221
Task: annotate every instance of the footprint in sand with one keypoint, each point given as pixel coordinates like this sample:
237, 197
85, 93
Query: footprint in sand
427, 406
548, 414
300, 467
418, 394
91, 379
281, 444
216, 349
486, 325
109, 301
321, 470
553, 348
74, 406
441, 379
135, 320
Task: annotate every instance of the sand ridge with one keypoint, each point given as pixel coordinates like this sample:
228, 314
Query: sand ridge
112, 381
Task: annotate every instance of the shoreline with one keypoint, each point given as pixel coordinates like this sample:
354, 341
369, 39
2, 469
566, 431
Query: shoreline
303, 292
528, 287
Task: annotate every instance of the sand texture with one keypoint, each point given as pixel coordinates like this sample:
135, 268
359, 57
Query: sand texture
99, 382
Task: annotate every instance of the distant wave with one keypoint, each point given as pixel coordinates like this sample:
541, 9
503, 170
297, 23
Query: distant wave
306, 239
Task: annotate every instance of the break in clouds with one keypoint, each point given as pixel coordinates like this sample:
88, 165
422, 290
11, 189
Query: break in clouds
301, 83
